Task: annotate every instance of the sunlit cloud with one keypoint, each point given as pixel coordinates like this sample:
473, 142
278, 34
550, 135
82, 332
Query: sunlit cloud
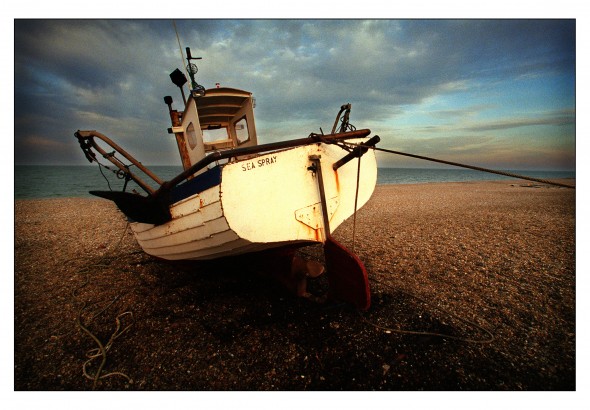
460, 88
521, 122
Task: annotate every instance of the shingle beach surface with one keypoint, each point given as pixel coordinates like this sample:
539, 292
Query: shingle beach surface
472, 284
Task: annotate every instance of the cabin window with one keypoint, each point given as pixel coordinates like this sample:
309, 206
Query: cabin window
241, 128
191, 136
215, 133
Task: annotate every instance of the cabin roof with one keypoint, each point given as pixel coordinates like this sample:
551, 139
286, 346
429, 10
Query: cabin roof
219, 105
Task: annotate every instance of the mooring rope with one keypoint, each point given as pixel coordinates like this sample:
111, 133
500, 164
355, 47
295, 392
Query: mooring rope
425, 333
356, 196
475, 168
491, 338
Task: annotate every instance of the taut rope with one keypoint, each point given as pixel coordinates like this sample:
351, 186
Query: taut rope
457, 164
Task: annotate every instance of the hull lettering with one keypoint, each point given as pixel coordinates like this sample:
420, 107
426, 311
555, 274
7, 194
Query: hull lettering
262, 162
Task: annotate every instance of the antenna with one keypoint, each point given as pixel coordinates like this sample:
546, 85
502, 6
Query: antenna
197, 89
179, 46
179, 79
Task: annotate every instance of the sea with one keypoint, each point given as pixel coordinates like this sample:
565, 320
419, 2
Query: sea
57, 181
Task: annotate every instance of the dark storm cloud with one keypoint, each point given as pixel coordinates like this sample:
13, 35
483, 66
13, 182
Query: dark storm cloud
111, 75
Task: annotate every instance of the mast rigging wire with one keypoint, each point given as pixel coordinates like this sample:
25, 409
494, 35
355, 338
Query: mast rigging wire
180, 48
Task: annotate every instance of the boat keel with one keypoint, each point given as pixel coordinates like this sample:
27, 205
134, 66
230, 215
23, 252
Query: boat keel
287, 269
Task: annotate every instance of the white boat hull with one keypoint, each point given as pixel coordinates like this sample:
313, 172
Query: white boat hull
265, 202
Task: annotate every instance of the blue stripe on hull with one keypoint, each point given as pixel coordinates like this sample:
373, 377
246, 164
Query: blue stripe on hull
195, 185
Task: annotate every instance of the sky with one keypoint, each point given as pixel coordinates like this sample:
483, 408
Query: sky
496, 93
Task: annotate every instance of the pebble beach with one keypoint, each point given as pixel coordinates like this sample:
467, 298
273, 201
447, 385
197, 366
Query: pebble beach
473, 288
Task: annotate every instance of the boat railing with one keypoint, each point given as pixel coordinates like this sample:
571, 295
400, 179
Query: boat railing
258, 149
88, 143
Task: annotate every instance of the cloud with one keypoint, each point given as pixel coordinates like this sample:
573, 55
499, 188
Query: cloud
459, 112
39, 142
484, 151
521, 122
111, 75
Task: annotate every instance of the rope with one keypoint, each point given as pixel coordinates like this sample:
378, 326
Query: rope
100, 166
101, 349
91, 156
356, 196
457, 164
433, 334
491, 337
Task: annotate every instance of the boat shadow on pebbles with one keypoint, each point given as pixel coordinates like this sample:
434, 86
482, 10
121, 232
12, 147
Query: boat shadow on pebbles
218, 326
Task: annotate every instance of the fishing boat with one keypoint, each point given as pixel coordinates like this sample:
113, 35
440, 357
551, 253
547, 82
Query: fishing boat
236, 196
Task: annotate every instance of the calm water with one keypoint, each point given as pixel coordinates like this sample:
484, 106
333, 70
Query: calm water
418, 176
76, 181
